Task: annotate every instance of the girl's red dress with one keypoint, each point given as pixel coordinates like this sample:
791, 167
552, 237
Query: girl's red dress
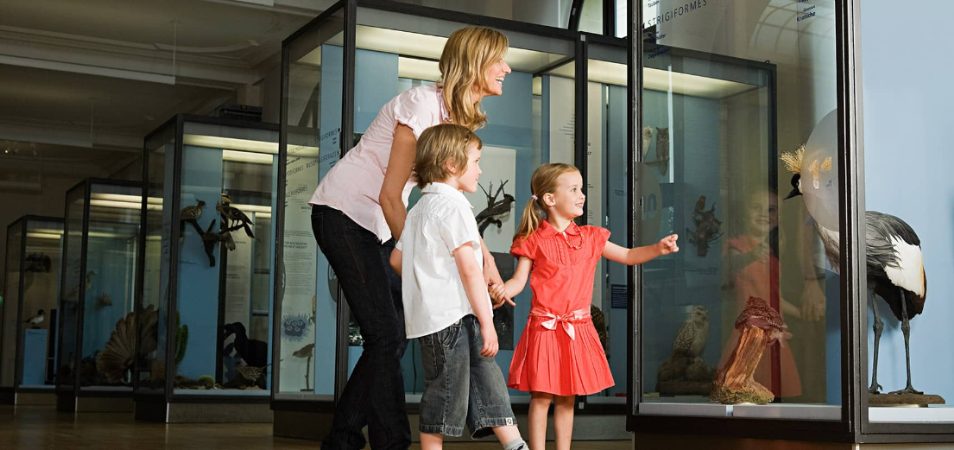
560, 352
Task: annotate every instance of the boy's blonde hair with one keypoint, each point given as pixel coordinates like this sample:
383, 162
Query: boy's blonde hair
467, 54
543, 181
438, 146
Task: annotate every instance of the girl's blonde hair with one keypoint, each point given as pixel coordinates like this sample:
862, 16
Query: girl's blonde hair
467, 55
439, 145
543, 181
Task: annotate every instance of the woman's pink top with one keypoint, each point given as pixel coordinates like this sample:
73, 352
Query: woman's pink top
353, 185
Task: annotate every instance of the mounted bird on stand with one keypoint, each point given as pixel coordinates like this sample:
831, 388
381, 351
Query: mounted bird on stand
232, 217
894, 262
495, 208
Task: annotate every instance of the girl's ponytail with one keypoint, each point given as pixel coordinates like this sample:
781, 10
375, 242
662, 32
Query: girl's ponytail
530, 220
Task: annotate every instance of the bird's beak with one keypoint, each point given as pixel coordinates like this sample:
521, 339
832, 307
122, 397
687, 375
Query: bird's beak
794, 193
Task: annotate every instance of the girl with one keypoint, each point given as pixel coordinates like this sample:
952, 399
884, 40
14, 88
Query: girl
559, 355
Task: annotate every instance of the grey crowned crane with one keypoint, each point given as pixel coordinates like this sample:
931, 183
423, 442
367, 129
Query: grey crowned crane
895, 265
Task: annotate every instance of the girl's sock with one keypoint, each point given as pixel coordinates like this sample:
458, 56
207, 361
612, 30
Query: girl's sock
516, 444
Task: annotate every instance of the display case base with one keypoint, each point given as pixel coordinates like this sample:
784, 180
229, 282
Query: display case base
204, 411
315, 425
647, 441
889, 399
94, 404
32, 398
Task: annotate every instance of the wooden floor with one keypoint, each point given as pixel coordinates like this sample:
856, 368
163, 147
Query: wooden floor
41, 427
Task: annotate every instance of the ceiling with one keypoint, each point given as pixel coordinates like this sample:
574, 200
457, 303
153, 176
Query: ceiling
80, 81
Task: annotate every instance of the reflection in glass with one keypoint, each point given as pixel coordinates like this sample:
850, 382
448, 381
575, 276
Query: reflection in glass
721, 104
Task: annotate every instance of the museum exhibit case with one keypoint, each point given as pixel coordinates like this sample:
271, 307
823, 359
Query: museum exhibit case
203, 310
337, 73
97, 325
767, 324
605, 130
30, 313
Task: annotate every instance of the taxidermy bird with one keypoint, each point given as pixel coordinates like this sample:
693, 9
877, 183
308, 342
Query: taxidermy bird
254, 352
190, 214
686, 363
36, 320
708, 227
692, 335
895, 264
232, 217
495, 208
306, 352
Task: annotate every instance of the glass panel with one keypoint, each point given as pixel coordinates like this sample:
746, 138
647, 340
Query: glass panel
108, 329
716, 168
518, 135
38, 311
918, 216
542, 12
70, 290
151, 312
591, 16
11, 303
309, 290
607, 176
227, 188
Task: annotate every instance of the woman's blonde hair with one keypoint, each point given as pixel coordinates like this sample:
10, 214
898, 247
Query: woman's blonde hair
439, 145
543, 181
467, 55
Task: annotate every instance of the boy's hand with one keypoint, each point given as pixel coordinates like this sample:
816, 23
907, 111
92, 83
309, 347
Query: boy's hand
498, 293
668, 245
489, 335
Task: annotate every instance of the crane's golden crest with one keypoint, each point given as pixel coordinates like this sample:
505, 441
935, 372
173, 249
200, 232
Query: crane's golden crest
793, 159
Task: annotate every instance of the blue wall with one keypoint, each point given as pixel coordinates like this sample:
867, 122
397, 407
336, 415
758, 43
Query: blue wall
198, 289
908, 130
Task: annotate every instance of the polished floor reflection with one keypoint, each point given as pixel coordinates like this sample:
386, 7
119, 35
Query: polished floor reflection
41, 427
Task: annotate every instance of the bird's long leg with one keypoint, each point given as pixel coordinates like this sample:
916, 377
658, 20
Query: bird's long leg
875, 388
906, 330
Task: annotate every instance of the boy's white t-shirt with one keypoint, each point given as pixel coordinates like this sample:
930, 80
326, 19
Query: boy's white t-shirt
431, 287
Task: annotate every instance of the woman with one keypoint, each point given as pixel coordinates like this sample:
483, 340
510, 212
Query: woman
358, 213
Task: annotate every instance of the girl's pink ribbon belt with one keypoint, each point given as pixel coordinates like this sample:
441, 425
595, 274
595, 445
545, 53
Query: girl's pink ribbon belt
567, 320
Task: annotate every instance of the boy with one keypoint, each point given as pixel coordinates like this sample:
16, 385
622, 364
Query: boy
446, 304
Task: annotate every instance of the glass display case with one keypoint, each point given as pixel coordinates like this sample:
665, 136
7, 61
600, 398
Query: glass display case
97, 326
204, 298
30, 315
766, 324
337, 73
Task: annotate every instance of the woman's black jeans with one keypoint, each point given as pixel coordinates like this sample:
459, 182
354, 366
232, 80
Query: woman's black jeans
374, 395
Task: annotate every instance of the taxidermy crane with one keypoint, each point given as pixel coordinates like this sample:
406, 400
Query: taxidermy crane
895, 265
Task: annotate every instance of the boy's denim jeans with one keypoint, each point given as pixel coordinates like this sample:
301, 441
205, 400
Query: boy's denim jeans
460, 385
374, 394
